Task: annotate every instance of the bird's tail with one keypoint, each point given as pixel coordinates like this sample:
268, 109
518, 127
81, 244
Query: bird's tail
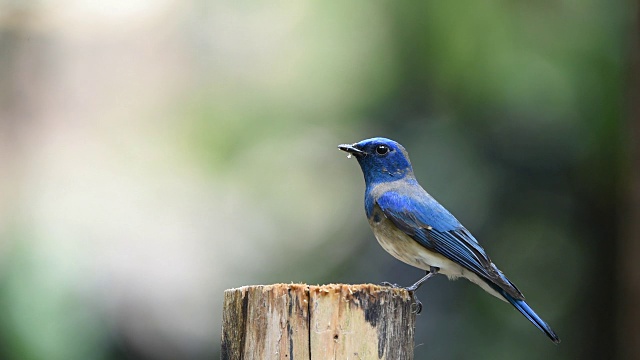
522, 306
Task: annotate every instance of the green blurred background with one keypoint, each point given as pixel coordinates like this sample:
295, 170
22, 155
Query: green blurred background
155, 153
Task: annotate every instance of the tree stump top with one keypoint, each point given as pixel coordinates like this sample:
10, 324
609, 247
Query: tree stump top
335, 321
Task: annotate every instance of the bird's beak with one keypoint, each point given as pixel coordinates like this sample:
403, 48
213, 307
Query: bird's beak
352, 150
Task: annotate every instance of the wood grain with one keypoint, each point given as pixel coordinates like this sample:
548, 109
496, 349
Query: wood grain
337, 321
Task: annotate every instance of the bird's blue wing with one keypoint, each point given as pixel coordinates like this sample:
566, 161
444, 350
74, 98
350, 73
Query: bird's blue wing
426, 221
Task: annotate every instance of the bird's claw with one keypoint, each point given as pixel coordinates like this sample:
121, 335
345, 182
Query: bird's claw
395, 286
418, 305
411, 289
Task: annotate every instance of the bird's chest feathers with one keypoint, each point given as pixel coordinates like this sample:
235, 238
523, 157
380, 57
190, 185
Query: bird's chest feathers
400, 245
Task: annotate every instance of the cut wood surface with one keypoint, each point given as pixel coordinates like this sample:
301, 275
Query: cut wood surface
337, 321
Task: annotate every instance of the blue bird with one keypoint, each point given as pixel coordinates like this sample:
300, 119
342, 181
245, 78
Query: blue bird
414, 228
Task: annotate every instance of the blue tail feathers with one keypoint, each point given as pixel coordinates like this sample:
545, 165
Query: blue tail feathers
522, 306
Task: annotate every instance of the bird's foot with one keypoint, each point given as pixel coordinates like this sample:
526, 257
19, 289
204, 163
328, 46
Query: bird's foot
412, 289
417, 303
395, 286
416, 306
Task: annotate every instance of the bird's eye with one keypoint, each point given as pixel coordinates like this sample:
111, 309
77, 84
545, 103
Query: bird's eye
382, 150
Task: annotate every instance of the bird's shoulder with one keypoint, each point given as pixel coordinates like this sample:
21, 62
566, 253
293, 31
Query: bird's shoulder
407, 199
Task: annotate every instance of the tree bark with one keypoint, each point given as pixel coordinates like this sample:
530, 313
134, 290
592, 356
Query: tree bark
321, 322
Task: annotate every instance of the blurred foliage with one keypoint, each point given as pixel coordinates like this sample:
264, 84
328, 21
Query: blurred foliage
164, 152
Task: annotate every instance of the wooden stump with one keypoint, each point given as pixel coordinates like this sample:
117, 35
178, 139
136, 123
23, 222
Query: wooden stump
295, 321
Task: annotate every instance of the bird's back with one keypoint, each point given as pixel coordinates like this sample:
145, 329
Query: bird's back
414, 212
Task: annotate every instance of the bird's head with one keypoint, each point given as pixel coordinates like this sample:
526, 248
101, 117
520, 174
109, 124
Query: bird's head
381, 159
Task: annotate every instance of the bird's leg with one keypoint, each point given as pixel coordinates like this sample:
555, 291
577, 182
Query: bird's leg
412, 289
432, 271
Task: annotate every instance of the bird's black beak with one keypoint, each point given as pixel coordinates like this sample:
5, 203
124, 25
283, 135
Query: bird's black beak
352, 150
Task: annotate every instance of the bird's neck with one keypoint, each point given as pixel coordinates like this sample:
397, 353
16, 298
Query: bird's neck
374, 189
373, 182
381, 176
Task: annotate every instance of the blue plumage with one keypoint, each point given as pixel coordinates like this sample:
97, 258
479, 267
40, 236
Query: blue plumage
413, 227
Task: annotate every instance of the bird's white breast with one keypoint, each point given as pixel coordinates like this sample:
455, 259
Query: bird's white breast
407, 250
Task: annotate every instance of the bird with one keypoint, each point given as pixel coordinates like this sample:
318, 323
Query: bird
414, 228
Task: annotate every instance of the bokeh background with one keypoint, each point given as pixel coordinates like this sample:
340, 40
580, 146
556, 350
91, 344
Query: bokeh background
155, 153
